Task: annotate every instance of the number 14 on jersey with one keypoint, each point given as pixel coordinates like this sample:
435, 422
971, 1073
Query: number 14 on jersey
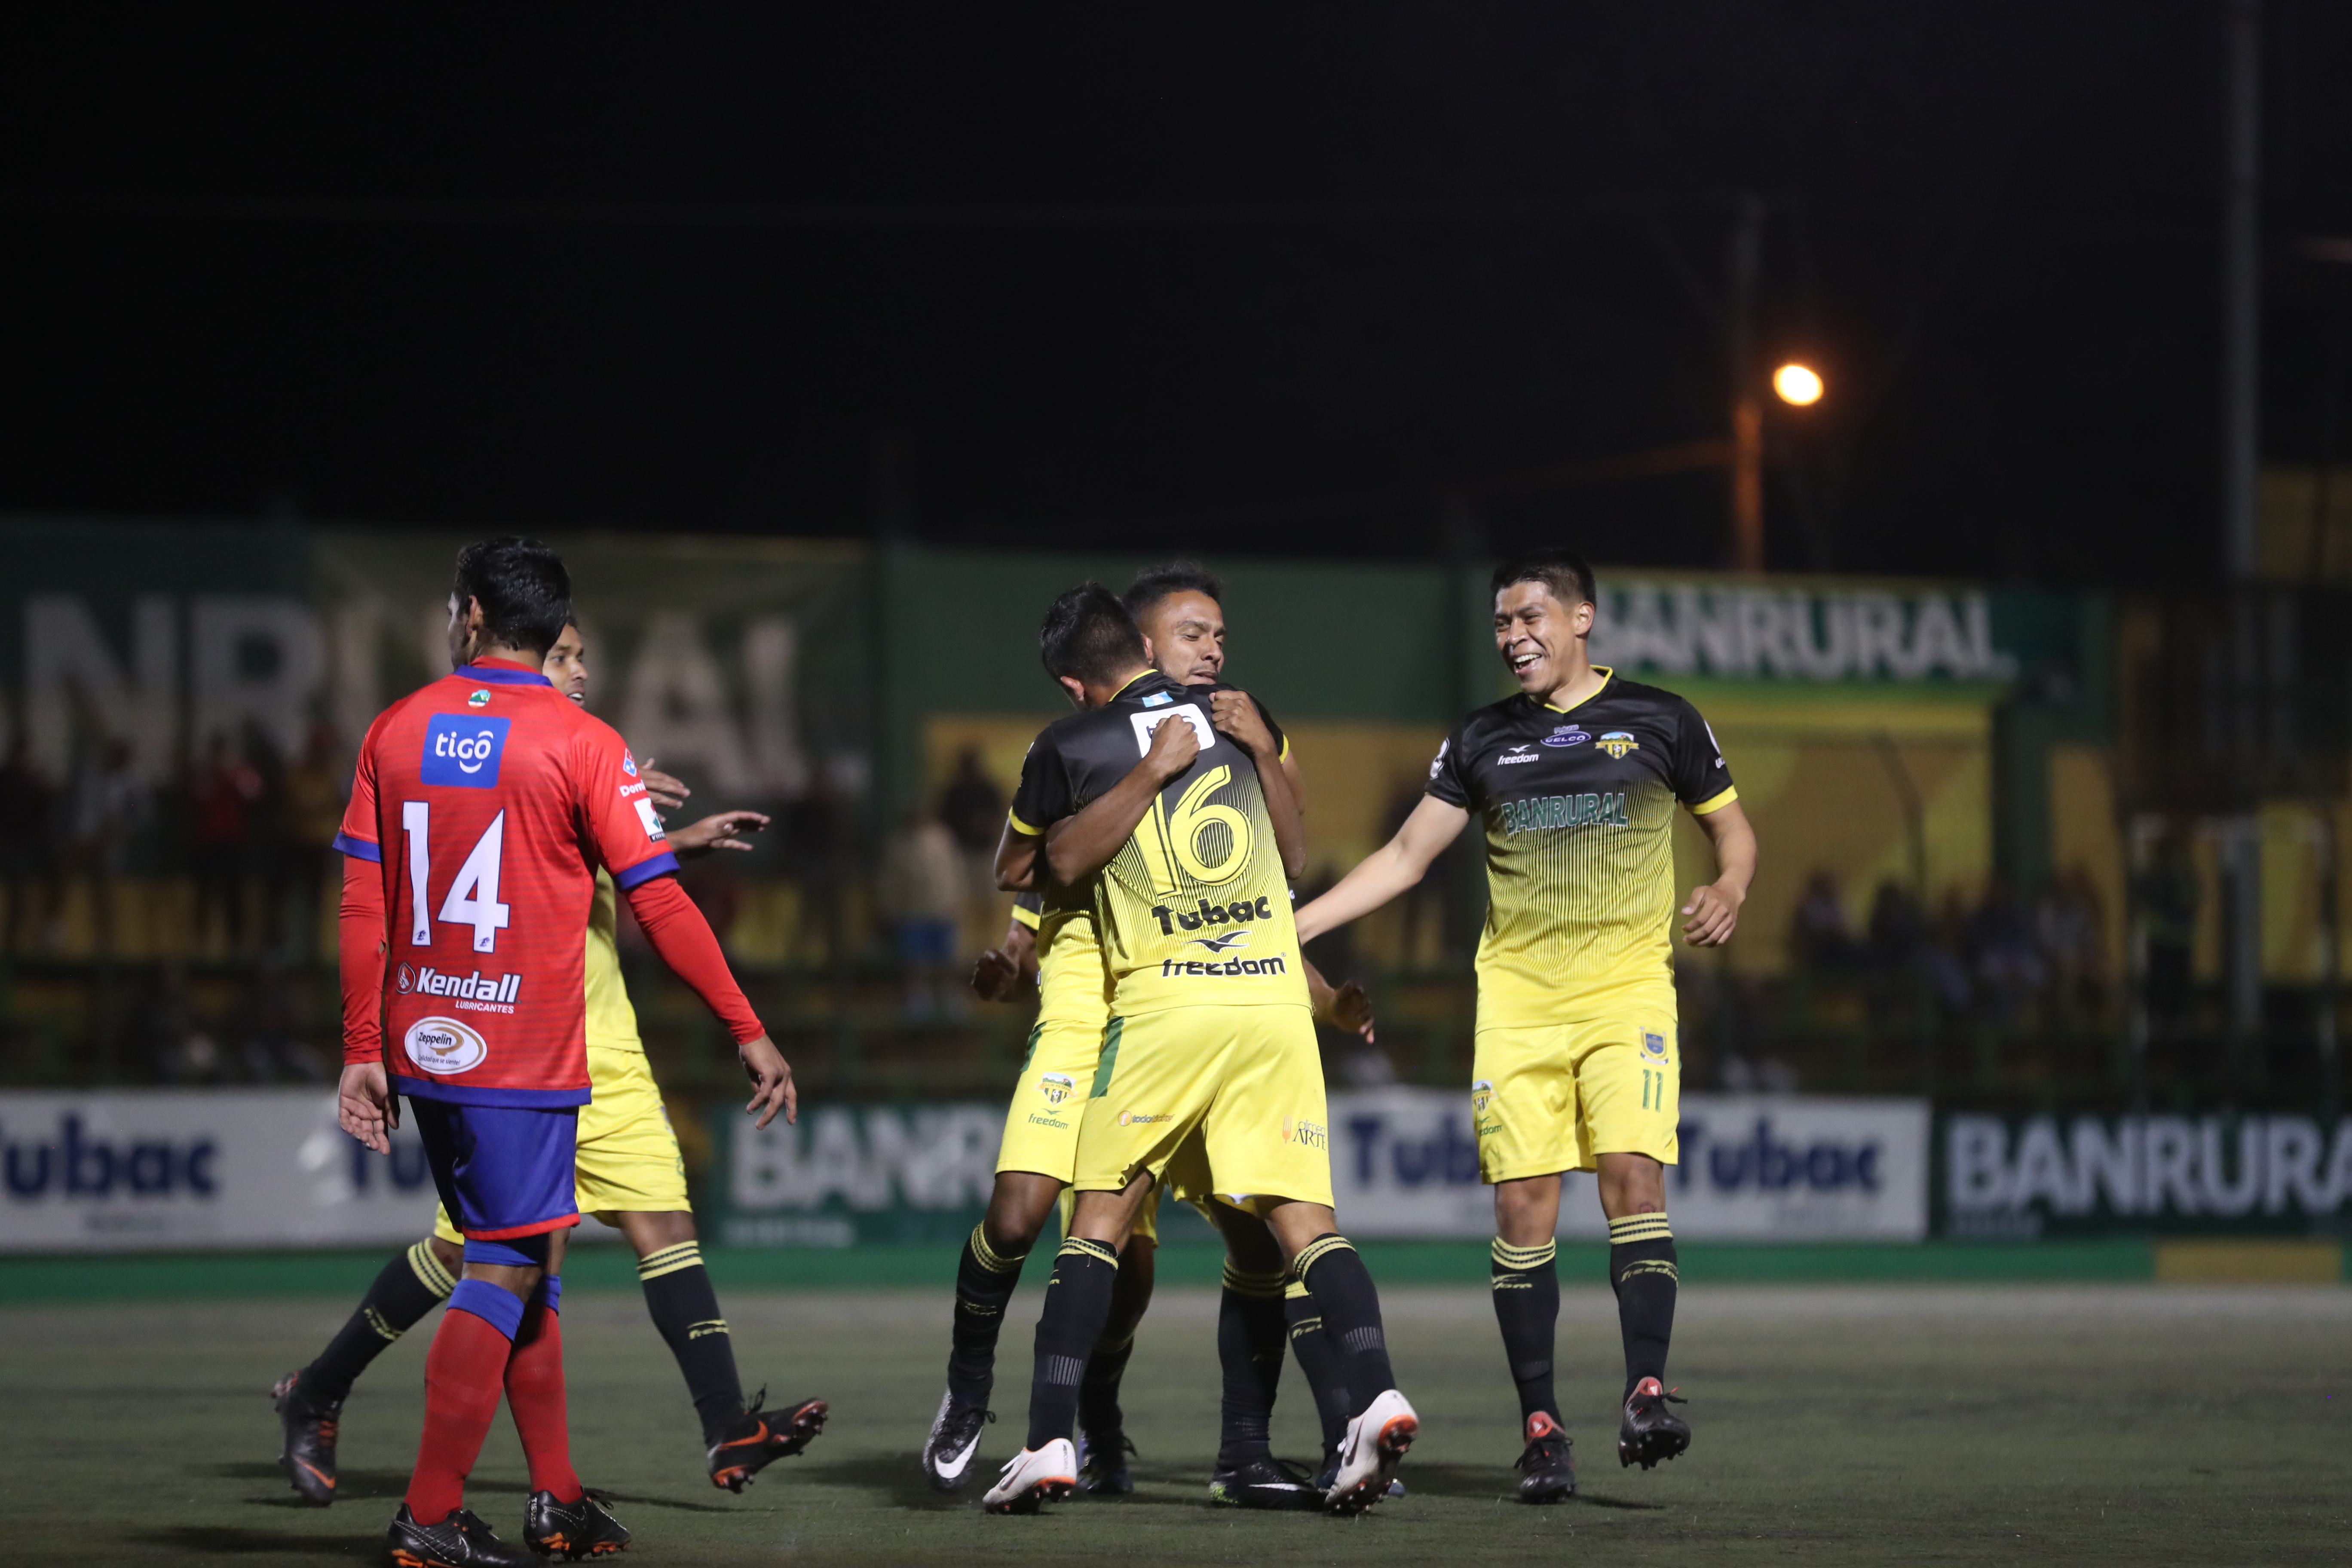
473, 897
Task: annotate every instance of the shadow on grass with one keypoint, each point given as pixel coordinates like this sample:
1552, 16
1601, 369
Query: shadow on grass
677, 1505
1488, 1482
897, 1477
234, 1540
351, 1486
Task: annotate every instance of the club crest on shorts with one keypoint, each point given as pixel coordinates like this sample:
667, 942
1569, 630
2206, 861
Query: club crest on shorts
1482, 1095
1056, 1087
1617, 743
1653, 1045
443, 1047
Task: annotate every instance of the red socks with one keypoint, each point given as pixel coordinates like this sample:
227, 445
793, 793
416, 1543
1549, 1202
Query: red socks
535, 1395
461, 1395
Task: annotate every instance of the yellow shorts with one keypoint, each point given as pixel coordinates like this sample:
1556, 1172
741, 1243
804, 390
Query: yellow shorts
1249, 1080
1041, 1125
1558, 1097
628, 1159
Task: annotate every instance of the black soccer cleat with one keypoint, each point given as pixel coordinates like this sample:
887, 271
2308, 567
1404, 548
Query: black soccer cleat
954, 1439
1651, 1432
1102, 1465
308, 1455
1266, 1484
460, 1541
1546, 1470
756, 1441
572, 1530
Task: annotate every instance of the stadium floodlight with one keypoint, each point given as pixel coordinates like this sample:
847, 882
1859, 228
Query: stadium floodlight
1796, 383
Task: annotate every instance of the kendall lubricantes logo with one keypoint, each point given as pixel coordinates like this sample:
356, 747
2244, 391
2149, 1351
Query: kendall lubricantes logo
443, 1047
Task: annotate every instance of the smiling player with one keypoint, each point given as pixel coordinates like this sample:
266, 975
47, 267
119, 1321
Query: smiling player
1577, 1065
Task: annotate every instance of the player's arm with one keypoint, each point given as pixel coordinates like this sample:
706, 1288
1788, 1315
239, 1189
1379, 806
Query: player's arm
363, 1102
1078, 847
1237, 714
719, 830
1339, 1007
1714, 906
1002, 970
1016, 861
1388, 870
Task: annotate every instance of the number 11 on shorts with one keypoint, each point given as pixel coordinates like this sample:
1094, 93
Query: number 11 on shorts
1653, 1091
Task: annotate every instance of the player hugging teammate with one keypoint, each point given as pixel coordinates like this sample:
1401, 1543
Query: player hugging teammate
1577, 1064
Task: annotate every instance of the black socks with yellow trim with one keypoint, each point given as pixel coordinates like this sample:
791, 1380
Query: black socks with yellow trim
1077, 1305
1319, 1358
410, 1286
1342, 1287
1641, 1271
1250, 1336
984, 1282
685, 1307
1526, 1282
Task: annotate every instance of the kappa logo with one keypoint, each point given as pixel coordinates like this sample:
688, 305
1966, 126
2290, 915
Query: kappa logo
1220, 943
1617, 743
1056, 1087
443, 1047
463, 751
1566, 735
1518, 754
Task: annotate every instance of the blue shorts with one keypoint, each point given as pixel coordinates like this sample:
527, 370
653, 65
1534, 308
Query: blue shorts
503, 1171
927, 941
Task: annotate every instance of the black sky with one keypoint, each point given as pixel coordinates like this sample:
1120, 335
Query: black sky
1287, 280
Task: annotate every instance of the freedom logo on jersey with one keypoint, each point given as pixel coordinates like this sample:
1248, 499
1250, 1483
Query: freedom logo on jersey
443, 1047
463, 750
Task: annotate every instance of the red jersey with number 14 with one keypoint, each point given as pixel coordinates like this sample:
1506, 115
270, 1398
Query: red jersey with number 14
490, 799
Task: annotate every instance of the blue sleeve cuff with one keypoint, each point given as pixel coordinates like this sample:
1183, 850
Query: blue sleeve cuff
359, 848
645, 870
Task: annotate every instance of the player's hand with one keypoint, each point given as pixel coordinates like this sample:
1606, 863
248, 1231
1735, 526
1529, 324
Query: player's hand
1237, 715
997, 976
1173, 747
1714, 911
719, 830
1351, 1009
771, 1082
364, 1107
665, 791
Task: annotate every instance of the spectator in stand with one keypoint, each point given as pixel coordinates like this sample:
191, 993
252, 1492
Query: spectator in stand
221, 798
2003, 956
923, 897
28, 849
314, 812
111, 808
2067, 923
1819, 942
973, 809
2166, 894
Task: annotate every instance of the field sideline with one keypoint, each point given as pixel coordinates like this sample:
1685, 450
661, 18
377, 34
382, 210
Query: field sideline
1842, 1424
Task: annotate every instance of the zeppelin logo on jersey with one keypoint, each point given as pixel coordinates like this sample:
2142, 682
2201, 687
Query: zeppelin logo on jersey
430, 982
1617, 743
1204, 913
646, 815
1566, 735
463, 750
1056, 1087
1189, 712
1564, 811
443, 1047
1519, 755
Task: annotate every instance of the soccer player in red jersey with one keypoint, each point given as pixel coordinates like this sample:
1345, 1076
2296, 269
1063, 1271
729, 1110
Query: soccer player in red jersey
483, 806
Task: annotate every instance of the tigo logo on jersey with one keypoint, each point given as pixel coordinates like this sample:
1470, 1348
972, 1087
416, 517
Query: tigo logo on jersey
1056, 1087
1518, 754
1654, 1047
1566, 735
443, 1047
1617, 743
463, 751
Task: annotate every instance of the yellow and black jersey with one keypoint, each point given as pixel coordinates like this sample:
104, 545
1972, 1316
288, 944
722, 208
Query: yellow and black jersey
1194, 909
612, 1021
1579, 805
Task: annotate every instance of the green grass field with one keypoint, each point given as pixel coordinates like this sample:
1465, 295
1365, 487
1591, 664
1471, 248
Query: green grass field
1842, 1424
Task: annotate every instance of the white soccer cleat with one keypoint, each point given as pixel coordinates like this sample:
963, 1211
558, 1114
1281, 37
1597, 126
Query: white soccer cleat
1376, 1440
1035, 1476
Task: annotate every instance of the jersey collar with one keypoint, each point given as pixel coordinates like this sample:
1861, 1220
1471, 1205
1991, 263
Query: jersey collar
501, 672
1608, 674
1147, 673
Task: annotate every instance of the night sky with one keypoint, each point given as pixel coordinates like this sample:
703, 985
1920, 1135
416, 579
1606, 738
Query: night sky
1362, 279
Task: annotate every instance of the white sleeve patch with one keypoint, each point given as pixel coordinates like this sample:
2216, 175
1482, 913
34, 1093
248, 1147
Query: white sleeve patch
647, 814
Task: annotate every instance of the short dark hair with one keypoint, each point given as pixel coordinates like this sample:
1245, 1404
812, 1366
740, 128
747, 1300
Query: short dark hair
522, 587
1089, 636
1154, 583
1561, 570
